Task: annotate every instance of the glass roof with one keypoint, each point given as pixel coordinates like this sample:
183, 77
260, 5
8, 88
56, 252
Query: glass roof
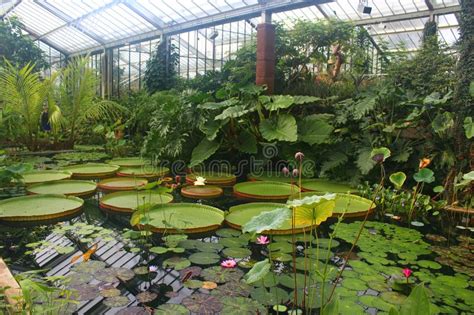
73, 26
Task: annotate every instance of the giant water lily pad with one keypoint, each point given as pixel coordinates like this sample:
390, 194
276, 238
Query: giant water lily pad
322, 185
272, 176
202, 192
187, 217
129, 162
212, 178
121, 184
265, 190
204, 258
240, 215
219, 274
128, 201
147, 171
171, 309
242, 306
78, 188
92, 170
202, 304
347, 205
35, 177
39, 207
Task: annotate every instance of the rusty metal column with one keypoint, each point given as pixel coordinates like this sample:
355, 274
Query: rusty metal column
265, 72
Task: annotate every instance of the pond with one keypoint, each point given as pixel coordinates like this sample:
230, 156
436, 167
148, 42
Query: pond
133, 272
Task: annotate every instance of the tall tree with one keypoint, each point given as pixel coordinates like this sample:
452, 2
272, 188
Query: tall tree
160, 73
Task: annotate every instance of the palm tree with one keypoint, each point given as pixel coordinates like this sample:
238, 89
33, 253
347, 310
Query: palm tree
23, 94
77, 96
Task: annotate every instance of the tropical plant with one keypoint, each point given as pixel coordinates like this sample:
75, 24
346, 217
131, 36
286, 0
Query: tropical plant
19, 49
77, 98
160, 73
23, 95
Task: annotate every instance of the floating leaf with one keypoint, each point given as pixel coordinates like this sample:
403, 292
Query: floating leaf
258, 271
202, 304
236, 252
228, 233
117, 301
271, 296
232, 289
221, 275
135, 310
425, 175
176, 263
242, 306
193, 284
171, 309
84, 292
204, 258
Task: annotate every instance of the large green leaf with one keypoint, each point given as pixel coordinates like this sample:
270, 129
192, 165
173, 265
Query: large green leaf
436, 99
298, 100
314, 129
267, 220
220, 105
442, 122
279, 102
364, 161
258, 271
334, 160
418, 302
469, 127
203, 151
233, 112
247, 142
211, 128
282, 127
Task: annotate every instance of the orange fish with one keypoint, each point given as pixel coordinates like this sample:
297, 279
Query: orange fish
87, 255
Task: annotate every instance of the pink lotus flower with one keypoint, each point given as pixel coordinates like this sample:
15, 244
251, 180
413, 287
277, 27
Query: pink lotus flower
299, 156
263, 240
229, 263
285, 171
295, 173
407, 273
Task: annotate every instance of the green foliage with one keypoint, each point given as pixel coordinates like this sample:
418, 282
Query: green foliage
19, 49
23, 94
418, 302
258, 272
267, 220
397, 179
160, 73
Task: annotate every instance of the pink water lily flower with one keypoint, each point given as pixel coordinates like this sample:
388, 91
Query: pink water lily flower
263, 240
407, 273
153, 268
229, 263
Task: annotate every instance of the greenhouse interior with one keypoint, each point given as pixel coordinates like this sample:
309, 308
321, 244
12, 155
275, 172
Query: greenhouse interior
254, 157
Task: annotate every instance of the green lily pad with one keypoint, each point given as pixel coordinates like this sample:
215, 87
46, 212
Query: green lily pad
76, 278
324, 242
141, 270
146, 297
281, 247
219, 274
90, 266
288, 280
303, 263
270, 280
428, 264
177, 263
393, 297
247, 264
311, 295
236, 252
233, 242
228, 233
354, 284
242, 306
84, 292
193, 271
110, 292
452, 281
345, 292
188, 244
117, 301
281, 257
106, 275
202, 304
204, 258
233, 289
376, 302
378, 286
193, 284
270, 296
171, 309
350, 307
208, 247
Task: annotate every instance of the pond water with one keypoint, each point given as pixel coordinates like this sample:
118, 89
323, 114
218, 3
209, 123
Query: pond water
118, 280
